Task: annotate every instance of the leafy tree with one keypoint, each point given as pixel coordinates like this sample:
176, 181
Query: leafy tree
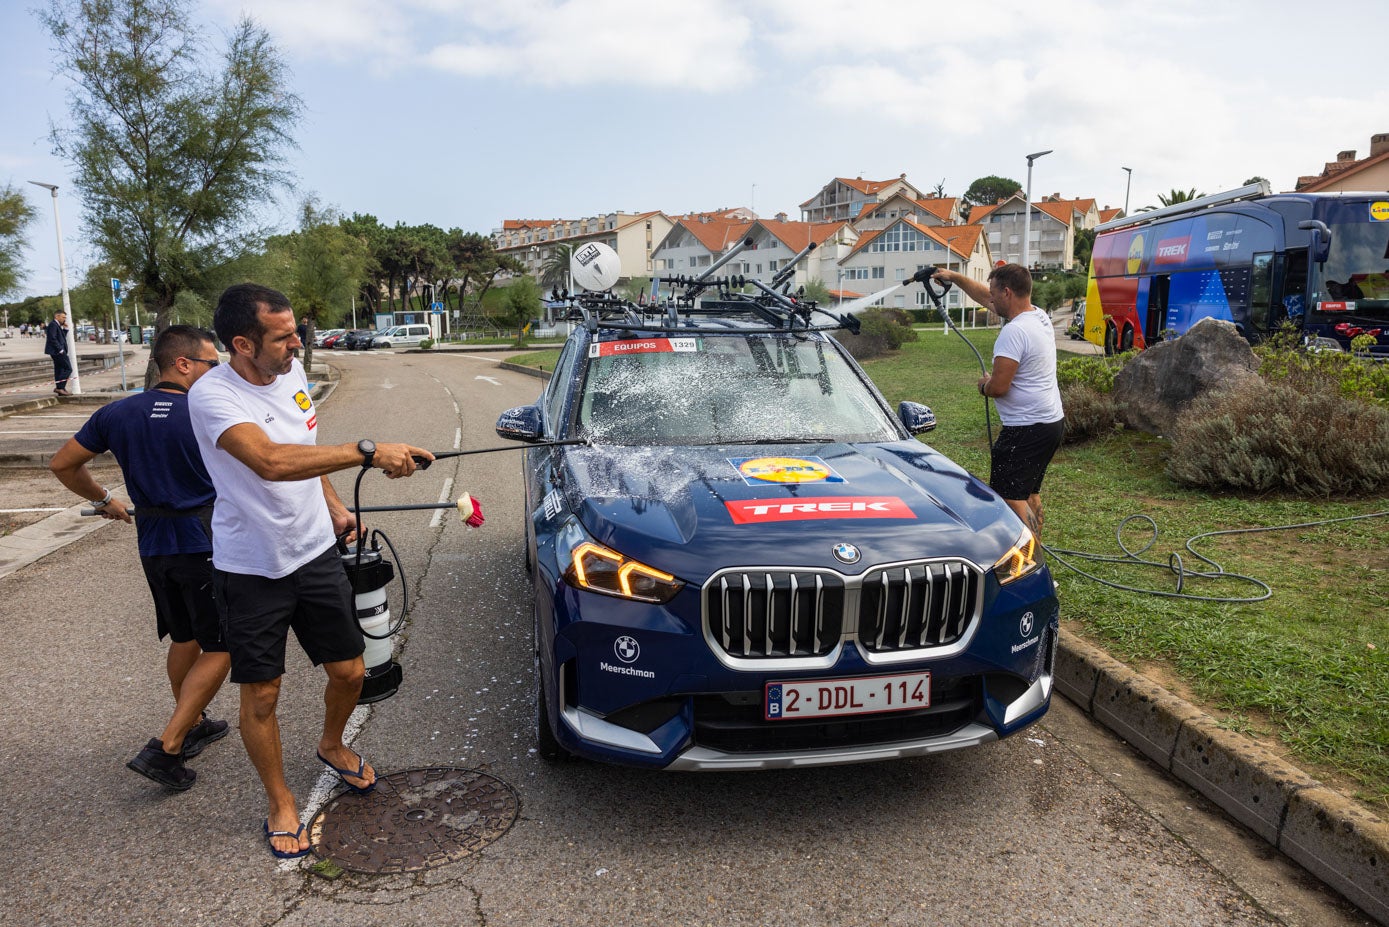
326, 265
554, 273
173, 148
816, 291
1084, 246
15, 216
521, 304
986, 191
1179, 196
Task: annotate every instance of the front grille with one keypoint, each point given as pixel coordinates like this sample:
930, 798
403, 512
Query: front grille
734, 723
776, 613
785, 613
915, 606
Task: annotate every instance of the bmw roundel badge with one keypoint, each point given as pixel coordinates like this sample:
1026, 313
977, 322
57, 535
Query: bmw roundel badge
846, 553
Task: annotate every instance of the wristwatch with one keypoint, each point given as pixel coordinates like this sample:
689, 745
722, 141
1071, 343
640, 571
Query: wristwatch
367, 448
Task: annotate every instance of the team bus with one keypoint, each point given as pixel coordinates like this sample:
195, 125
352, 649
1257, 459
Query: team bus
1259, 260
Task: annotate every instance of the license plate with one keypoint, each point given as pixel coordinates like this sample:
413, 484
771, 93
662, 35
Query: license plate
864, 695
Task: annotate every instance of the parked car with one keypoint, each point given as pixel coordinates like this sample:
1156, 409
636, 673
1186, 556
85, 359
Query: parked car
335, 340
743, 559
322, 336
358, 339
402, 336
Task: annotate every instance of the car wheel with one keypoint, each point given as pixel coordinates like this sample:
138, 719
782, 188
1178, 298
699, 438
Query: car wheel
546, 744
1110, 339
1126, 343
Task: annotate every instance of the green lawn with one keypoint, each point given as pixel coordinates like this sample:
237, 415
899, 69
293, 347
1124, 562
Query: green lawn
1307, 668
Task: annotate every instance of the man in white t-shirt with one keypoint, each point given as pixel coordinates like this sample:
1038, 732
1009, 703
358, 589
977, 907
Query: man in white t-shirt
273, 540
1023, 386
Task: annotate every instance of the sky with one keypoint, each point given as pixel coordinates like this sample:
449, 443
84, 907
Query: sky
464, 113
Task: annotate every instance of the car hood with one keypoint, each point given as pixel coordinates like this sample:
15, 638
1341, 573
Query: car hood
694, 510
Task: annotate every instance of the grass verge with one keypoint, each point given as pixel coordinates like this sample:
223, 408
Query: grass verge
1306, 670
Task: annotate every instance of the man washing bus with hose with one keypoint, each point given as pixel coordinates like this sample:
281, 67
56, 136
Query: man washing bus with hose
274, 528
1022, 385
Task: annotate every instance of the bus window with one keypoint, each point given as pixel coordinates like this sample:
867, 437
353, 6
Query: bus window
1156, 319
1260, 292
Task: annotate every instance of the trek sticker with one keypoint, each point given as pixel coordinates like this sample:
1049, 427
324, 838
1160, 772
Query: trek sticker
1172, 250
756, 470
312, 423
1379, 211
644, 346
759, 511
301, 399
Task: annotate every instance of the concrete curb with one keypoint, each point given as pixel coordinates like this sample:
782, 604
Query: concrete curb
1335, 839
528, 371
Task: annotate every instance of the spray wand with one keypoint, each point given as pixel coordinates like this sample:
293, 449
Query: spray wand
923, 277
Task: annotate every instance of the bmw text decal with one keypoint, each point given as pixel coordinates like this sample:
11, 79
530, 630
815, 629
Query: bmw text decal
757, 511
755, 470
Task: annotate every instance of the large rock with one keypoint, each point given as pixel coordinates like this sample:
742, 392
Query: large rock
1155, 386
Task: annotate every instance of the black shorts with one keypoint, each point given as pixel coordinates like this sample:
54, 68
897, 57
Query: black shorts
184, 610
1021, 456
315, 600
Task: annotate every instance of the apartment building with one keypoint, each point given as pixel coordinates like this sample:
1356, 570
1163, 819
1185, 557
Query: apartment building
1054, 223
844, 198
1347, 173
883, 257
632, 235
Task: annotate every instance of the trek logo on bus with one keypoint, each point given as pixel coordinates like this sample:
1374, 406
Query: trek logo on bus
1172, 250
1379, 211
643, 346
759, 511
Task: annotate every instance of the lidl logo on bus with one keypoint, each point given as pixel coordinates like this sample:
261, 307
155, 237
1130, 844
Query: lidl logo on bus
1135, 254
1379, 211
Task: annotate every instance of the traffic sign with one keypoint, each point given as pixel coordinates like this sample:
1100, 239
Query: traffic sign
115, 285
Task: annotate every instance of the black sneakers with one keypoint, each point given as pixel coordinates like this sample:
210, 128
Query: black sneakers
202, 734
165, 768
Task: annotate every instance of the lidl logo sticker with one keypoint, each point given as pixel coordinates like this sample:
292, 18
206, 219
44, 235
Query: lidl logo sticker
756, 470
1379, 211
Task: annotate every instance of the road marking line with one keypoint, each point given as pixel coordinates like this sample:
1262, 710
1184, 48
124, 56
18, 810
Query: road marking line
457, 438
443, 497
16, 511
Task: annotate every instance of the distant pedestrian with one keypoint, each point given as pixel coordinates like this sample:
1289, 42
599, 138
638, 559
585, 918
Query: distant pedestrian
151, 438
276, 565
56, 347
302, 330
1023, 386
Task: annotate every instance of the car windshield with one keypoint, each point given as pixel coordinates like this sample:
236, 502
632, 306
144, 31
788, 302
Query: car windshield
726, 389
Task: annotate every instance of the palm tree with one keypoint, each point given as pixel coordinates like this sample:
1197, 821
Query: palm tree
554, 273
1179, 196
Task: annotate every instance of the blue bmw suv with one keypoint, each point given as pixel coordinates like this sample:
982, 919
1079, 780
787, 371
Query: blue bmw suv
742, 559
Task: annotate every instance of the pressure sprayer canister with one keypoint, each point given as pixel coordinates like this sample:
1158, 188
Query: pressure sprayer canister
370, 574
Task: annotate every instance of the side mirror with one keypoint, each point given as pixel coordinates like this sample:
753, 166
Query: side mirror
1321, 238
521, 424
917, 418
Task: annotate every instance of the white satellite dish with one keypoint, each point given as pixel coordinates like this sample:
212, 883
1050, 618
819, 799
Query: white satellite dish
594, 266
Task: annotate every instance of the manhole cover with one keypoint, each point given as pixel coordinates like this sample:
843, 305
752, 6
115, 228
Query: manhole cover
414, 819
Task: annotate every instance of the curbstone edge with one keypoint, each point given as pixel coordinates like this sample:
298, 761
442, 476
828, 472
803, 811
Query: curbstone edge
1341, 844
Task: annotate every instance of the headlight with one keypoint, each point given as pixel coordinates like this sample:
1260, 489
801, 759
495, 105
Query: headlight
1020, 560
600, 569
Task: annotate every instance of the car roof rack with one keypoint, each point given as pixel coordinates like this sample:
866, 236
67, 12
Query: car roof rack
685, 309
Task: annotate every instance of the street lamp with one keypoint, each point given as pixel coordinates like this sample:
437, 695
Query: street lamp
74, 384
1127, 183
1027, 216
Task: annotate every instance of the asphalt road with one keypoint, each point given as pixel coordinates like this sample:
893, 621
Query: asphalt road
1059, 825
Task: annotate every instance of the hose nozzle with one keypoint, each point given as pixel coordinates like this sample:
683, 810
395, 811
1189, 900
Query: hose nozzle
922, 275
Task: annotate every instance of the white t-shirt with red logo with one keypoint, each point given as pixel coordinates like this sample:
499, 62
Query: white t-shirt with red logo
1033, 398
260, 527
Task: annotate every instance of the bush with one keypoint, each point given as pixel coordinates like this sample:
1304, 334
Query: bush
1090, 413
1283, 359
426, 344
882, 330
1091, 371
1303, 436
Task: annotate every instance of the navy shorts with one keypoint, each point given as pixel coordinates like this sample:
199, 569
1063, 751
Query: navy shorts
315, 600
1021, 456
184, 610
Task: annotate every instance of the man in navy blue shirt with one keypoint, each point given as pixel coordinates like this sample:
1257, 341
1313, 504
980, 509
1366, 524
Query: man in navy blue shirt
152, 439
55, 345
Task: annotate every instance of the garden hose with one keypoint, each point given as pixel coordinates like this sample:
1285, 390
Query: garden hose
1175, 564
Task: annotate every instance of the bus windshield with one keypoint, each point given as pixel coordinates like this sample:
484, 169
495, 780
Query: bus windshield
1354, 281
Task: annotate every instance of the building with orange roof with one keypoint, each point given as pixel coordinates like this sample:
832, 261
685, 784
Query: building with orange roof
631, 235
927, 210
1347, 174
846, 198
1055, 220
890, 255
694, 245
